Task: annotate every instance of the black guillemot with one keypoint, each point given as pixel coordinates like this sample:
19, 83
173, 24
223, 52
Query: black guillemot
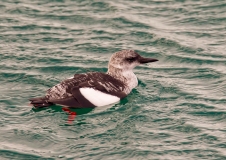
95, 89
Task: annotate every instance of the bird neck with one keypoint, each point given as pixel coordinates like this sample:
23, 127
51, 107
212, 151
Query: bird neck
126, 76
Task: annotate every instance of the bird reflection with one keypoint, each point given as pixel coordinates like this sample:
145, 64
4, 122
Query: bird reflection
72, 112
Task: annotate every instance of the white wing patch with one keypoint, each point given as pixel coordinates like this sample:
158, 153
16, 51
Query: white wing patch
98, 98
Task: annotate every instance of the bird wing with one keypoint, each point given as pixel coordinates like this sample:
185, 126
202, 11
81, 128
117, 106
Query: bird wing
87, 90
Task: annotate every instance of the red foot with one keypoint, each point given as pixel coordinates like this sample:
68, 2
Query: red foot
66, 110
71, 116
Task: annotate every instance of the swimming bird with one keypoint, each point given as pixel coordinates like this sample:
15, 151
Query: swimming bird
96, 89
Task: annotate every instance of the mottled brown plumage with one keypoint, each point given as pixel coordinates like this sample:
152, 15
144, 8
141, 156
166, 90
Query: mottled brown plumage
117, 83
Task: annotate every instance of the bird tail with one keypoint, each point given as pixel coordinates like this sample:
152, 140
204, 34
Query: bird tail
40, 102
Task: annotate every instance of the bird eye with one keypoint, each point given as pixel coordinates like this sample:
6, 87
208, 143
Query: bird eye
131, 59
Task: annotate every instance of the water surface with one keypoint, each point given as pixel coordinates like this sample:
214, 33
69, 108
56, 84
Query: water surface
176, 112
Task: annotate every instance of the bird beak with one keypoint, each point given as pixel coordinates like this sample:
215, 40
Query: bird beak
146, 60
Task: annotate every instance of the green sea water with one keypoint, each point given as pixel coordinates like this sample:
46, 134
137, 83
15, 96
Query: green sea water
178, 110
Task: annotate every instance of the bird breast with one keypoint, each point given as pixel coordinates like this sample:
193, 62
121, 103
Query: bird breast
131, 80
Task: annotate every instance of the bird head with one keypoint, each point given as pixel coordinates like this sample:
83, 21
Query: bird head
128, 59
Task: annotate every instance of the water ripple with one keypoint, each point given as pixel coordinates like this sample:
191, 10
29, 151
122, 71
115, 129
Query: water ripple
176, 112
